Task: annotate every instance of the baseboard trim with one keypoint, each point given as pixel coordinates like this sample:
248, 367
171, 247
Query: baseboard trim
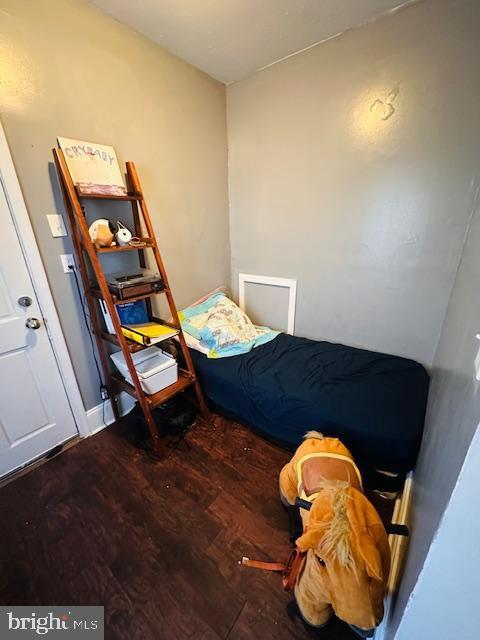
101, 415
398, 544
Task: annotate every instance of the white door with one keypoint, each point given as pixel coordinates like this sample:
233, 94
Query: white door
35, 415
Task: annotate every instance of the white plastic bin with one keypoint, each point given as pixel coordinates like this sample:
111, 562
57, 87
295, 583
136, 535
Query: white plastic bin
156, 369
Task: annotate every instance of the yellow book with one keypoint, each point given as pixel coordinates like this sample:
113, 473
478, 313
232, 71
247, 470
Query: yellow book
148, 333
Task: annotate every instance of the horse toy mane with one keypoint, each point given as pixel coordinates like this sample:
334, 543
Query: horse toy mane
335, 541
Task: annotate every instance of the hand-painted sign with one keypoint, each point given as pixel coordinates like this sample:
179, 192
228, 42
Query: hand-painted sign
93, 167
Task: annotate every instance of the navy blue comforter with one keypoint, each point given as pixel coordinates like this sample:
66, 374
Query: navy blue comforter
375, 403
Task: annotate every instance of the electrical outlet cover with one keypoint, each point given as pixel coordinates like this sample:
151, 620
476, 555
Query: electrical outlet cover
67, 262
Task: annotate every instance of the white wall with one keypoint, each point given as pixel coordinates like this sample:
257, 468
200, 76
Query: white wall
445, 602
368, 214
453, 414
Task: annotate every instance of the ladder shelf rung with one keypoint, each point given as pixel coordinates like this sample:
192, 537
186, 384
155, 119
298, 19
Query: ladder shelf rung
187, 374
132, 345
167, 324
96, 293
135, 298
85, 195
148, 245
161, 396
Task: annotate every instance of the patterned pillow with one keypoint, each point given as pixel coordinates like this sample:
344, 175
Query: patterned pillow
223, 327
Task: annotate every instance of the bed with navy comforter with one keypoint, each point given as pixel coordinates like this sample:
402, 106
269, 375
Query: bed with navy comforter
375, 403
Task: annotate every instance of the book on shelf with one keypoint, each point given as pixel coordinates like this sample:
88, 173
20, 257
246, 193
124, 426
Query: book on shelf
136, 324
148, 333
133, 312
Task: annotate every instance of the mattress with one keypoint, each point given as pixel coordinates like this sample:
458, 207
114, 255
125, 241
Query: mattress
375, 403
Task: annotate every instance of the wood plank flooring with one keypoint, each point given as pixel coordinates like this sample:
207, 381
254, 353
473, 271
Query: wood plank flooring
156, 543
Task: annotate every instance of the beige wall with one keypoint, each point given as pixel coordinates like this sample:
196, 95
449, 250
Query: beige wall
365, 204
67, 69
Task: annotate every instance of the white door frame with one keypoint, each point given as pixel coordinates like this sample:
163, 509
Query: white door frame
37, 273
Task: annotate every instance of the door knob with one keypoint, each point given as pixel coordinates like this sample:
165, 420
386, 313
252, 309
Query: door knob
32, 323
24, 301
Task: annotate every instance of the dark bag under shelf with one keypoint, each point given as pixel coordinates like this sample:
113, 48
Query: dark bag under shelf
173, 418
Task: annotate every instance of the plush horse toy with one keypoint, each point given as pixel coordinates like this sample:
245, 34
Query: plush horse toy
346, 556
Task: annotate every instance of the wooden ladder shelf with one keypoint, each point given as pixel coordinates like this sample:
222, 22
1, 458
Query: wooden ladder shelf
83, 244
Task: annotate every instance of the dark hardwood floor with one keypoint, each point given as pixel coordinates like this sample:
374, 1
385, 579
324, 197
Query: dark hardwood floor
156, 543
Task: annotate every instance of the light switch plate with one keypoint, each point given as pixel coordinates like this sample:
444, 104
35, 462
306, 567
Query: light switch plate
67, 261
57, 226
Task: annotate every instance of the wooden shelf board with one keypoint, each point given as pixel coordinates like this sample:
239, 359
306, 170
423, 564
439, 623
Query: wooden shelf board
167, 324
162, 396
103, 196
134, 299
132, 345
96, 293
186, 373
183, 382
148, 245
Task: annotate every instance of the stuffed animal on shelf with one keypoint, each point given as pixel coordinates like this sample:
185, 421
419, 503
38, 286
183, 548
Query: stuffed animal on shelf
101, 232
344, 545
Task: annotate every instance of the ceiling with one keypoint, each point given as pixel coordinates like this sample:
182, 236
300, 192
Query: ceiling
230, 39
